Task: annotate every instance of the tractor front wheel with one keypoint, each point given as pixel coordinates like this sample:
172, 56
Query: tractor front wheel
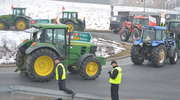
90, 68
124, 35
21, 24
158, 56
70, 26
174, 59
40, 65
136, 55
3, 26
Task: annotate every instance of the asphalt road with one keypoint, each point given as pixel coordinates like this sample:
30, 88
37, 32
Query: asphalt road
139, 82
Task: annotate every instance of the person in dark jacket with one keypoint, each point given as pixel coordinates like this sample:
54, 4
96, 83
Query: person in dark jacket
61, 76
115, 77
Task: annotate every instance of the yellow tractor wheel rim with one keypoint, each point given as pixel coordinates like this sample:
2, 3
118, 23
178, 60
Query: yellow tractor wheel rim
92, 68
21, 25
162, 56
70, 27
44, 65
2, 26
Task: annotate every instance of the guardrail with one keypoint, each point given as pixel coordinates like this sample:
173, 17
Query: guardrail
50, 93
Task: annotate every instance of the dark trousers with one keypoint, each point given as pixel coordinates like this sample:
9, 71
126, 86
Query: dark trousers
62, 86
114, 91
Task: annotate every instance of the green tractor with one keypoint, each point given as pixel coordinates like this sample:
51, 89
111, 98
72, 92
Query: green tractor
173, 27
18, 19
35, 57
71, 19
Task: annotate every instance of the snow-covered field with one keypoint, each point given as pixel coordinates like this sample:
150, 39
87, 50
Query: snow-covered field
9, 40
96, 15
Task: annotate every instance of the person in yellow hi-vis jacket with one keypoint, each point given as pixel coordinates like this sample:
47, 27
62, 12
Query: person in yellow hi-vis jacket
115, 78
61, 76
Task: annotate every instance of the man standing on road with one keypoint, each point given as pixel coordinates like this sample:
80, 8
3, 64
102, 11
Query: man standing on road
61, 76
115, 79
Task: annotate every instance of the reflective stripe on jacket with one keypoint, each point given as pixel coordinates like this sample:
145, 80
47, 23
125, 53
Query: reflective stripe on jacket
63, 77
118, 78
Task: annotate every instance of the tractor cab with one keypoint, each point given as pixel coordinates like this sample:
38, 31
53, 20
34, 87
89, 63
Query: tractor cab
153, 33
70, 15
19, 11
173, 27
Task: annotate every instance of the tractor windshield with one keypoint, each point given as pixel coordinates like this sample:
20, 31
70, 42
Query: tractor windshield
69, 15
148, 35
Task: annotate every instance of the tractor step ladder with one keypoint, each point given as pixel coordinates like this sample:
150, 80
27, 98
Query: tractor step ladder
50, 93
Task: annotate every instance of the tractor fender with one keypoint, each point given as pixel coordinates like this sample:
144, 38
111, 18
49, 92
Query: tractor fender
171, 51
81, 59
34, 48
157, 43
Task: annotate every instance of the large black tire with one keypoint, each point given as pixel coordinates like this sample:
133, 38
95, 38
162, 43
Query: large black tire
135, 35
20, 60
3, 26
124, 35
30, 64
137, 55
71, 26
84, 68
21, 24
174, 59
158, 56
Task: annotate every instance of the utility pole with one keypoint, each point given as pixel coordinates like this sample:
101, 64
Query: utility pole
144, 7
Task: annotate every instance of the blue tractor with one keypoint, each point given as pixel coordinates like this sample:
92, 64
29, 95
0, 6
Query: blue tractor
156, 46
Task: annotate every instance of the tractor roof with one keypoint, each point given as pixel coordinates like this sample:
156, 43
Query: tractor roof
156, 27
50, 26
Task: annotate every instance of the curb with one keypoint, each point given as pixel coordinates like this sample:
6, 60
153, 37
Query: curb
7, 65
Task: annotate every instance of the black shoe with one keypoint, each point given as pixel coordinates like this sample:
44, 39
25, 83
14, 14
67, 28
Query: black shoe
73, 94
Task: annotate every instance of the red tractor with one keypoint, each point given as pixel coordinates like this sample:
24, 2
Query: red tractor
131, 30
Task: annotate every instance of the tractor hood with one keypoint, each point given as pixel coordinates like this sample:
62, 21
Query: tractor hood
151, 43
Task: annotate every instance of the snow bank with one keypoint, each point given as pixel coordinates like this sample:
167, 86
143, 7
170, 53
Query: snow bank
9, 40
107, 48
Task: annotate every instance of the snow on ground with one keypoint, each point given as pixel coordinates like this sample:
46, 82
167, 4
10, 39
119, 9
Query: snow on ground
107, 48
9, 40
96, 15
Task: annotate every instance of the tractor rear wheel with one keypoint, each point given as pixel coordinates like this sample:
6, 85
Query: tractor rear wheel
124, 36
136, 55
40, 65
21, 24
3, 26
158, 56
19, 60
174, 59
70, 26
90, 68
135, 34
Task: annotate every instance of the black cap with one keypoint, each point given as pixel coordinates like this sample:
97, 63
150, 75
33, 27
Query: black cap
57, 58
113, 62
